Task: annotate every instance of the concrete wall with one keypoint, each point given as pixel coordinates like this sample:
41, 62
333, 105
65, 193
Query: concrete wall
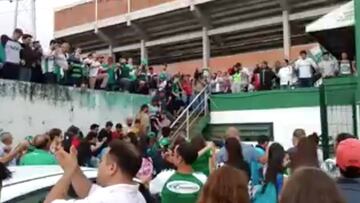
285, 120
29, 109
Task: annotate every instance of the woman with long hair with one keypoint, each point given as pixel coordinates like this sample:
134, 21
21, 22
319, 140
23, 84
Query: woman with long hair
274, 176
235, 156
310, 185
219, 188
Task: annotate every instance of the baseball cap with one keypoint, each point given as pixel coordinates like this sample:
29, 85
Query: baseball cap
164, 142
151, 135
348, 154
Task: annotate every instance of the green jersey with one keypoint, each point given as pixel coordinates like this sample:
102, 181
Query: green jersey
175, 187
111, 73
202, 163
38, 157
125, 70
2, 53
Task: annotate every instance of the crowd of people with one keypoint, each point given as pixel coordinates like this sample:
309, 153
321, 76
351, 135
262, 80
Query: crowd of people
174, 169
66, 65
303, 72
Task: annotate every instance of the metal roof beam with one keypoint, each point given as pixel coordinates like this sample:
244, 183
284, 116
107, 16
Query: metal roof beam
203, 19
104, 37
232, 28
140, 31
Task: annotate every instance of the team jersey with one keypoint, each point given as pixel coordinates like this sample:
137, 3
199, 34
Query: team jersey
12, 49
175, 187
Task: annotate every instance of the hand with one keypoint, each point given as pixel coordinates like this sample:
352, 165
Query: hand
67, 161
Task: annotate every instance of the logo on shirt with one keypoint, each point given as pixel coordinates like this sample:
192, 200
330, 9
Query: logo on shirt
183, 187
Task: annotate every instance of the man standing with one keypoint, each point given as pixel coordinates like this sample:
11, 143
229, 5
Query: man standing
12, 47
348, 161
106, 133
328, 67
267, 76
182, 185
114, 182
28, 56
305, 67
41, 154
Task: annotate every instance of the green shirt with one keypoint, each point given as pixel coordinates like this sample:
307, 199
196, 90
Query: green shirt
202, 163
76, 70
2, 53
38, 157
111, 73
125, 71
175, 187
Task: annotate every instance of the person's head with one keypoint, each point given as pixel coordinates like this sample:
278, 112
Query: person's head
26, 39
119, 128
275, 163
303, 54
344, 56
55, 135
310, 185
263, 141
151, 70
53, 44
94, 128
264, 65
198, 142
129, 122
17, 34
277, 64
286, 62
348, 158
232, 132
184, 154
305, 154
234, 151
165, 131
341, 137
78, 50
326, 56
6, 138
119, 165
42, 142
298, 134
144, 108
65, 47
234, 189
108, 126
74, 131
91, 137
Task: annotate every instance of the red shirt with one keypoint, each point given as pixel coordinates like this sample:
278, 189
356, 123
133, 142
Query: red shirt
187, 87
116, 135
75, 142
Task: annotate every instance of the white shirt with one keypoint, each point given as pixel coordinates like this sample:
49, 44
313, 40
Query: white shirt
113, 194
304, 66
94, 67
328, 67
12, 51
285, 74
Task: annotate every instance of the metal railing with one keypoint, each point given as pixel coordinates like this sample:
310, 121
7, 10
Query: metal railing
197, 107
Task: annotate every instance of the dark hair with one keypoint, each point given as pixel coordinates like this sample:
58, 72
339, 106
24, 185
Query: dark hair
74, 130
187, 152
165, 131
25, 36
109, 124
53, 41
286, 60
118, 125
133, 138
18, 30
350, 172
315, 138
343, 136
303, 52
94, 126
274, 164
198, 142
310, 185
143, 107
127, 157
234, 189
262, 139
305, 154
55, 132
41, 141
90, 136
234, 151
137, 121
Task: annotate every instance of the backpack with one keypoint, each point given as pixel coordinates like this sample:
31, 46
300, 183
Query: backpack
268, 196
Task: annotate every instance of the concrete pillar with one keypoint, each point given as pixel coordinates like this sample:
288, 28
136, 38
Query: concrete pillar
206, 48
286, 34
111, 51
143, 51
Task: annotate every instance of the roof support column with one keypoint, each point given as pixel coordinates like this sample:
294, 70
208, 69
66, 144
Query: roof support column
286, 34
143, 52
357, 33
206, 47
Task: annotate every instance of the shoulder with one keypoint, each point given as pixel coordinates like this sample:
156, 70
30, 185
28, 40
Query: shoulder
200, 176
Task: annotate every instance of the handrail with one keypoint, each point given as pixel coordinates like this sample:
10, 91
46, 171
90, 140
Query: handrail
197, 107
189, 106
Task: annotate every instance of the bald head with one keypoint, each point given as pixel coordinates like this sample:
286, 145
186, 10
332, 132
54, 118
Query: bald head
42, 142
233, 132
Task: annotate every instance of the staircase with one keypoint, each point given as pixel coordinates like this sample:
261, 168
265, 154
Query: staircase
195, 115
